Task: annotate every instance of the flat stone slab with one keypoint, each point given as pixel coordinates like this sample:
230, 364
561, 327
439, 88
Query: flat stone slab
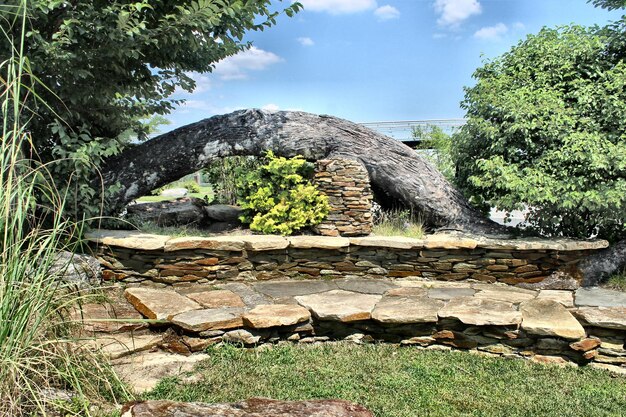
250, 297
318, 242
365, 286
265, 242
209, 319
407, 310
216, 298
227, 243
339, 305
116, 317
564, 297
550, 318
445, 293
511, 295
394, 242
159, 304
274, 315
481, 312
279, 289
254, 407
130, 239
124, 344
606, 317
599, 297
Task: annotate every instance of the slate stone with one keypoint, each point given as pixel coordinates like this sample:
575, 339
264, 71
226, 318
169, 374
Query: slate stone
124, 344
339, 305
157, 303
550, 318
250, 297
445, 293
130, 239
599, 297
509, 295
107, 318
566, 298
227, 243
481, 312
606, 317
254, 407
318, 242
264, 316
407, 310
223, 212
278, 289
216, 298
209, 319
365, 286
241, 336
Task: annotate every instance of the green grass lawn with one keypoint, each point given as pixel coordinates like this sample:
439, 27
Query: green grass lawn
204, 191
402, 382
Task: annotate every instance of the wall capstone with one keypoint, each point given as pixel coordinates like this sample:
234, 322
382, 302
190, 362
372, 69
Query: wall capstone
346, 183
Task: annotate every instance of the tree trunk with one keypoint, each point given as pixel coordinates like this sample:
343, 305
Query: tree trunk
397, 173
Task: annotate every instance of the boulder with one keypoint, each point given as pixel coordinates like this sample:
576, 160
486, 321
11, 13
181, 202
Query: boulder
82, 271
180, 212
223, 213
254, 407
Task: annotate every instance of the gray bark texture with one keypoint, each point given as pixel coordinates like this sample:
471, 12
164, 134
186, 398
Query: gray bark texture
399, 176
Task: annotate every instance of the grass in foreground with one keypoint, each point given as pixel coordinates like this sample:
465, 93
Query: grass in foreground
401, 382
398, 223
617, 282
204, 193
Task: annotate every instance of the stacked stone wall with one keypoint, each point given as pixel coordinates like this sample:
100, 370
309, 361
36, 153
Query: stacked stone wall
346, 183
249, 258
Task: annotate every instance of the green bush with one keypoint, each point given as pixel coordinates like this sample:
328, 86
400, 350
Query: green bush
191, 186
279, 198
225, 173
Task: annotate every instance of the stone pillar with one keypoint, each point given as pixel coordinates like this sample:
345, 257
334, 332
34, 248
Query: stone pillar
347, 185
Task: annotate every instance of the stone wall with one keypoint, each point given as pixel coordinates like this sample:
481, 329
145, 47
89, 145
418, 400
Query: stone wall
346, 183
135, 257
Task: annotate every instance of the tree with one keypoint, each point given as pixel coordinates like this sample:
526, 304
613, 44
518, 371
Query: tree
435, 145
547, 130
101, 67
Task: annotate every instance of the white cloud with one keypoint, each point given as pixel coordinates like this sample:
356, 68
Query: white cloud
519, 25
236, 67
387, 12
491, 32
338, 6
270, 107
304, 41
453, 12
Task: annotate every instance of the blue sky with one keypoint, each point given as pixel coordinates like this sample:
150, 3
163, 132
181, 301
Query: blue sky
375, 60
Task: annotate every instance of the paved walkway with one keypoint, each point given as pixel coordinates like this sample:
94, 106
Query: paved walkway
583, 326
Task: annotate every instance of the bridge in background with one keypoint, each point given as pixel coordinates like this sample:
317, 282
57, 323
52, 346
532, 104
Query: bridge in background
402, 130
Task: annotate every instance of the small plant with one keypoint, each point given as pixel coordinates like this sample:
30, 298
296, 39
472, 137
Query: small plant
279, 198
617, 281
398, 223
225, 173
191, 186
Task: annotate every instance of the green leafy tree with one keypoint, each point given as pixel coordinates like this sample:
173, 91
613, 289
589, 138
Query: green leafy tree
278, 197
547, 130
103, 66
436, 145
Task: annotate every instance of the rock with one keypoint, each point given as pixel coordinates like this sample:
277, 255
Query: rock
614, 369
280, 289
364, 286
174, 192
549, 318
264, 242
481, 312
182, 211
225, 243
107, 318
550, 360
556, 281
600, 297
585, 345
394, 242
130, 239
264, 316
318, 242
608, 318
159, 304
120, 345
564, 297
209, 319
254, 407
339, 305
142, 371
223, 213
216, 298
250, 298
509, 295
241, 336
418, 340
82, 271
405, 310
445, 293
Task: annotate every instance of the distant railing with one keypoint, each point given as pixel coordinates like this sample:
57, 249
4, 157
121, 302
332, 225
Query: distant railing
402, 130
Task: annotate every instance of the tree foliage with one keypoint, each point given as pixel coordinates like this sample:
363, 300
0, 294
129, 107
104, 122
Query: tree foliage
435, 145
547, 130
278, 197
102, 66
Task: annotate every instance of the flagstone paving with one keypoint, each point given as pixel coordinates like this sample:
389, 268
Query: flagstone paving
588, 325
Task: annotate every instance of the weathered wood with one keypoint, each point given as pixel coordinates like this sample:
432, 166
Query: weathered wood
397, 173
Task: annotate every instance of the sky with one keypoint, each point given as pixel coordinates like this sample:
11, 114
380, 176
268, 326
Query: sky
374, 60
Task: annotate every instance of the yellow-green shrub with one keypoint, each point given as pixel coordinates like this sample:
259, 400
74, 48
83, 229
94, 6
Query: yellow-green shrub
279, 197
